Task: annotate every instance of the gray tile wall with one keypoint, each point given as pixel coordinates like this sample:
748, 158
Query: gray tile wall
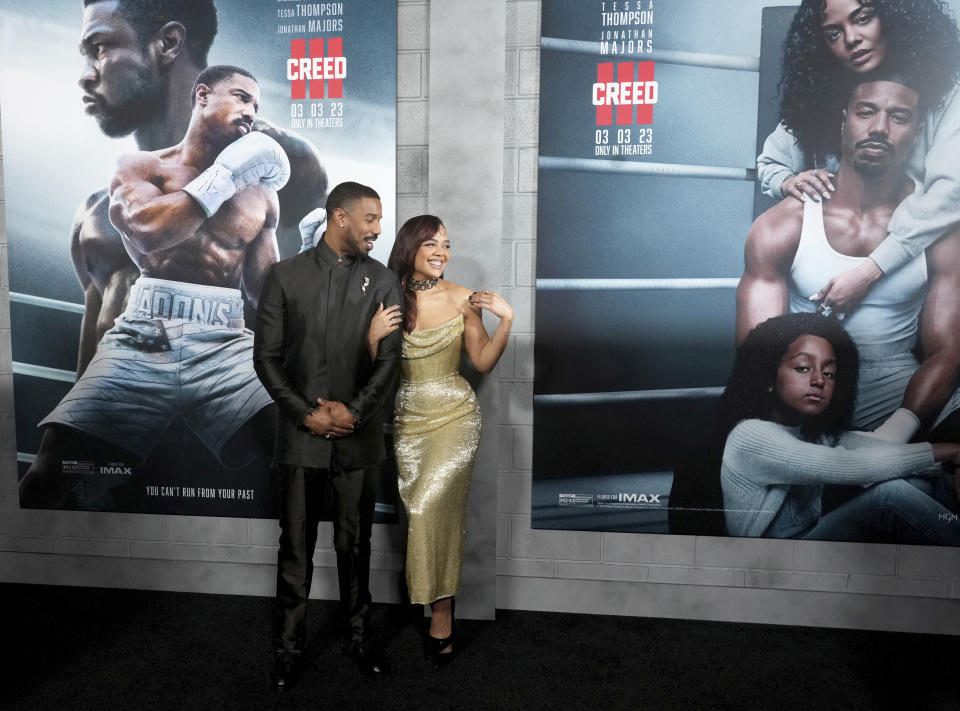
902, 588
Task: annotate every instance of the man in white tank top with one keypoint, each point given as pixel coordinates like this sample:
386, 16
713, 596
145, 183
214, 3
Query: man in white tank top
793, 248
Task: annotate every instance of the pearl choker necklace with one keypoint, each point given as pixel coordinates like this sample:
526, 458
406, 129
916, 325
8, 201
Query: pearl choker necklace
418, 285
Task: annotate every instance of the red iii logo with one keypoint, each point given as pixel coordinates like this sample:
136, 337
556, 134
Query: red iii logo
634, 87
318, 68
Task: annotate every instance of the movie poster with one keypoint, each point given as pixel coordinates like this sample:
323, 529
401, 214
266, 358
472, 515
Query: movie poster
326, 74
652, 115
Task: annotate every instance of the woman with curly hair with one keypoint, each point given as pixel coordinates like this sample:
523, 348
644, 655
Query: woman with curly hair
785, 410
829, 43
436, 418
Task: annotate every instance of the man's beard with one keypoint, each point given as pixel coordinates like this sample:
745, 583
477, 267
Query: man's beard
871, 169
356, 249
137, 103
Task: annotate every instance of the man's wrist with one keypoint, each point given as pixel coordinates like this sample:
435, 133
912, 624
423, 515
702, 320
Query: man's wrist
302, 418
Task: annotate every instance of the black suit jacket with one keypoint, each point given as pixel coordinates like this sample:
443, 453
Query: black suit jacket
290, 352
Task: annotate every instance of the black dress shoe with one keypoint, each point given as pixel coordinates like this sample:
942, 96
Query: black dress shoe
369, 661
286, 669
441, 652
435, 650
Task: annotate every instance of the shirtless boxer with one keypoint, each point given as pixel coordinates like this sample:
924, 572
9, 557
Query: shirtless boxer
199, 220
140, 60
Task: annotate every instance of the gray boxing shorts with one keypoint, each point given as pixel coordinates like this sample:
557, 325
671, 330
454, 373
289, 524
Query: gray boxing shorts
178, 349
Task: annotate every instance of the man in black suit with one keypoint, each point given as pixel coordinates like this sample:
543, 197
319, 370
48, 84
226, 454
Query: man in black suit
311, 354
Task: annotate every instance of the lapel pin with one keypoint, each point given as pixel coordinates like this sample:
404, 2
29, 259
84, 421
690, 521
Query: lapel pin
366, 283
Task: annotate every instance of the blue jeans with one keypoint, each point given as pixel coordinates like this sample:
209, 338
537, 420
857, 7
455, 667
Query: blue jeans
893, 511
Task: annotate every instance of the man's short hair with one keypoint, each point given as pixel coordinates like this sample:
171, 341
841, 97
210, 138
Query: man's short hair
346, 193
199, 17
892, 75
214, 74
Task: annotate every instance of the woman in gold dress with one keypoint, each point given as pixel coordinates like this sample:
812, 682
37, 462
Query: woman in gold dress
436, 418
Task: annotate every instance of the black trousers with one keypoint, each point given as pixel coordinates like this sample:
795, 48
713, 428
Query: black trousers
304, 495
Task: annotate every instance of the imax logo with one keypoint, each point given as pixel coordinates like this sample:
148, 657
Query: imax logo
116, 469
639, 498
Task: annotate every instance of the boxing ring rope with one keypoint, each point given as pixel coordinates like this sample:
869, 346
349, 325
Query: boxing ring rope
45, 303
686, 284
575, 399
565, 399
636, 284
602, 284
41, 371
659, 170
667, 56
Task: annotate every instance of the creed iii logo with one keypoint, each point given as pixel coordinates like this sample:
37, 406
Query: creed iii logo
633, 87
316, 67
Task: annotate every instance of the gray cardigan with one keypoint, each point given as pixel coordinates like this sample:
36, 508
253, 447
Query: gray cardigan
764, 463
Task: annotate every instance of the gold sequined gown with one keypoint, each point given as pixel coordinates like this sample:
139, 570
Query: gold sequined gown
436, 433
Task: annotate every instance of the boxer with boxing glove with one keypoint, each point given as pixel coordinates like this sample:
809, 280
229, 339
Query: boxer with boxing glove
198, 219
140, 59
162, 199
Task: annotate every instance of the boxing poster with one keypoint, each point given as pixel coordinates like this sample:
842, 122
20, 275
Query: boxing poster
317, 78
652, 115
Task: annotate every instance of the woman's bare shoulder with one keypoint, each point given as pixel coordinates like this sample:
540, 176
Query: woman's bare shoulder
457, 292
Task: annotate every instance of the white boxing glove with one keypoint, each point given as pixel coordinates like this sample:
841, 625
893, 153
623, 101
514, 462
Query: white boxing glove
309, 225
251, 159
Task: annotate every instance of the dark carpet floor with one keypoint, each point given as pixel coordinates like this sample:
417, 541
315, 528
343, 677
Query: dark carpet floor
83, 648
